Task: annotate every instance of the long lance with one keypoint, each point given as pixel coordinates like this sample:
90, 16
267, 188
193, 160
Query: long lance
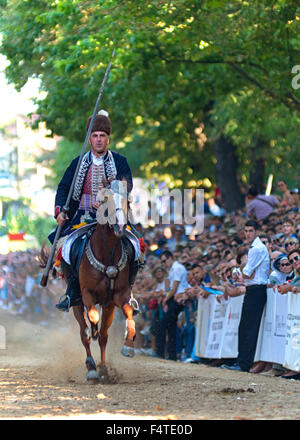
65, 209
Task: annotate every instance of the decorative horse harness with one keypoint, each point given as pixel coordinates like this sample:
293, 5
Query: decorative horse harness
110, 271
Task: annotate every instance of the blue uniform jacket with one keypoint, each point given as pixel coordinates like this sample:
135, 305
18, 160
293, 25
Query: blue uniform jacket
123, 171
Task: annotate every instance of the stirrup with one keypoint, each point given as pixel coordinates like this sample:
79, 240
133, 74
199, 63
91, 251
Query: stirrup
61, 300
134, 304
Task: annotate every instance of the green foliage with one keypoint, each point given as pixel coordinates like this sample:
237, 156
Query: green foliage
179, 65
17, 221
39, 227
60, 159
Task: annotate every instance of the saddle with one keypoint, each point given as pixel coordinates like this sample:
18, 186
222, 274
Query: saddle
77, 250
79, 244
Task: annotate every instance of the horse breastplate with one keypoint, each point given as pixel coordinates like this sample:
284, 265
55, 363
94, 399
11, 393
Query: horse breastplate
110, 271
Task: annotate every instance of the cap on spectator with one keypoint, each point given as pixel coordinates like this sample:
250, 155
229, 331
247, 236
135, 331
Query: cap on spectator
276, 236
277, 261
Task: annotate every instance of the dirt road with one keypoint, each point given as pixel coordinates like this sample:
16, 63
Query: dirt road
42, 375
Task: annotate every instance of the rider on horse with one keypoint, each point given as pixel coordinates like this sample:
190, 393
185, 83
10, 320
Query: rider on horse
98, 165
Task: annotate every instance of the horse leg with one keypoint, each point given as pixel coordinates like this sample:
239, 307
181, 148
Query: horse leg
78, 312
128, 347
106, 321
92, 312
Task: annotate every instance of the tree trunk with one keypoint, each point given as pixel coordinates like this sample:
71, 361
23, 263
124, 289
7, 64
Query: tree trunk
258, 165
226, 172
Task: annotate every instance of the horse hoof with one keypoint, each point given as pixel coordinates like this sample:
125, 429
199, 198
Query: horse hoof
92, 375
127, 351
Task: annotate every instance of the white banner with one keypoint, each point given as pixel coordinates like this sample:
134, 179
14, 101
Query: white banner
233, 315
273, 338
203, 316
292, 349
279, 333
216, 328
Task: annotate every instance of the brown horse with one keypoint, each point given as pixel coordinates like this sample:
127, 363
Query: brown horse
104, 279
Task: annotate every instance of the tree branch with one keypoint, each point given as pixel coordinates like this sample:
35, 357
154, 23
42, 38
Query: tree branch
288, 99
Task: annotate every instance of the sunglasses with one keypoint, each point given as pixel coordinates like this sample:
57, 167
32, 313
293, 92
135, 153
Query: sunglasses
163, 260
290, 243
293, 260
285, 264
265, 242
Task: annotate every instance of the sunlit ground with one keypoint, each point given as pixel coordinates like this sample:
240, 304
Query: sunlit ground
97, 416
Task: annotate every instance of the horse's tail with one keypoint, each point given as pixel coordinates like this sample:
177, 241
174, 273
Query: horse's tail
44, 255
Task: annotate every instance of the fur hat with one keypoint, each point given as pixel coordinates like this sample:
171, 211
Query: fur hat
101, 122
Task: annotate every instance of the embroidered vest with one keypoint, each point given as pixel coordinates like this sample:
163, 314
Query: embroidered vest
93, 182
109, 170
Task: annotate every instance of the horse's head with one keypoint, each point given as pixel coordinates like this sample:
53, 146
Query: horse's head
113, 206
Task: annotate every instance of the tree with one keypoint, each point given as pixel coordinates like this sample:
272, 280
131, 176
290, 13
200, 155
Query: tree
186, 74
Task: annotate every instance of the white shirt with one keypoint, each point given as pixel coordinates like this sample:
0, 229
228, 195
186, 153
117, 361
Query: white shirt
178, 273
258, 261
162, 286
97, 160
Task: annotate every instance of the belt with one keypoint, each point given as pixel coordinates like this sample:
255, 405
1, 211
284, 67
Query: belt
256, 285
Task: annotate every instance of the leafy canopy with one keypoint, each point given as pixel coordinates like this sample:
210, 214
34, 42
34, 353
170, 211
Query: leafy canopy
185, 71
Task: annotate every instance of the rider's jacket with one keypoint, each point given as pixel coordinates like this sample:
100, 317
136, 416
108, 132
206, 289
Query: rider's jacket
87, 183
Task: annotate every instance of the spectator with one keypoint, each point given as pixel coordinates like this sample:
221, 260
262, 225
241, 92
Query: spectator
3, 291
294, 259
297, 231
266, 240
293, 287
212, 259
296, 196
255, 274
162, 245
291, 243
178, 238
281, 271
153, 298
287, 199
259, 207
178, 283
288, 228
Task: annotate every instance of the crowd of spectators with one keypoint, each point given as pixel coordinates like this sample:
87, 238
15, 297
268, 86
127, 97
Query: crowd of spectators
20, 290
213, 259
174, 256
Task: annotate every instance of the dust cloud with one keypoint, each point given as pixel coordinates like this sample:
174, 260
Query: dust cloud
56, 349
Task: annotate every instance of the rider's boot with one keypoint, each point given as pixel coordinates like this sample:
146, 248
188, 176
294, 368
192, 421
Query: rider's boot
72, 296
